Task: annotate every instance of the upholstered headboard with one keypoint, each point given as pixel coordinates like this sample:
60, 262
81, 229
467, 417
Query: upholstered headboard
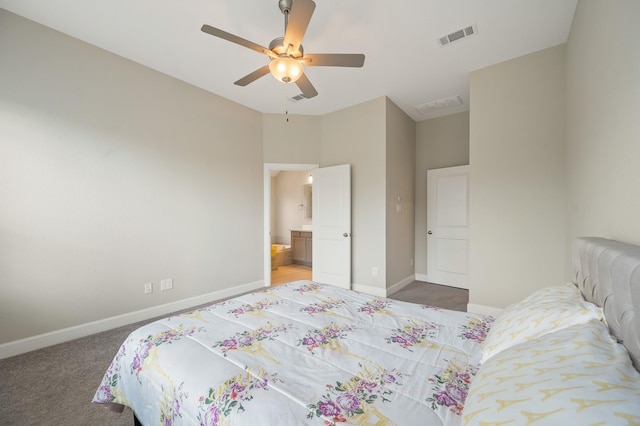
608, 274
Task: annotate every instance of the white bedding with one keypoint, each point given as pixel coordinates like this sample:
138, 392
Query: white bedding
303, 353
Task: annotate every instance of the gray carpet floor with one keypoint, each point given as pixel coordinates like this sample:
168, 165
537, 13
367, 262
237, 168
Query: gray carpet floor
55, 385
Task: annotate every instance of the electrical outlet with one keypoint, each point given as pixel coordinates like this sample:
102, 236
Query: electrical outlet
148, 288
374, 271
166, 284
411, 261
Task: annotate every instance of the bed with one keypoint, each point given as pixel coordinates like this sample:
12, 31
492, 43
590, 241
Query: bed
310, 353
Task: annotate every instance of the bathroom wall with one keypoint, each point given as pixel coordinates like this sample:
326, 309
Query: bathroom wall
288, 204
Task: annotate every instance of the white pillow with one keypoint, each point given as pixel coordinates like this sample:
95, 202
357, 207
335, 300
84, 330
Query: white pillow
545, 311
575, 376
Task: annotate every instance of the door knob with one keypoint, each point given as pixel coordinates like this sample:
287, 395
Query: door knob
345, 235
429, 232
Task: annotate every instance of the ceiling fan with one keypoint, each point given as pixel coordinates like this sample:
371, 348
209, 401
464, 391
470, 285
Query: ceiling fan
286, 53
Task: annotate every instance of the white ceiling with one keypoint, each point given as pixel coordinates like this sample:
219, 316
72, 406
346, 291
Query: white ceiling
399, 39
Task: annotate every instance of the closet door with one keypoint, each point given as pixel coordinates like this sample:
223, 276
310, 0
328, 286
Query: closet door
448, 226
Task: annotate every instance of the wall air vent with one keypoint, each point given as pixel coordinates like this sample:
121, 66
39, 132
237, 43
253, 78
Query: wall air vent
460, 34
434, 106
297, 98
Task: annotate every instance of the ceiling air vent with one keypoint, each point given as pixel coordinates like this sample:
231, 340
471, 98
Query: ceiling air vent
297, 98
438, 105
460, 34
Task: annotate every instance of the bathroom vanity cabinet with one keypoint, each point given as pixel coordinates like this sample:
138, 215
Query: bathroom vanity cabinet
301, 242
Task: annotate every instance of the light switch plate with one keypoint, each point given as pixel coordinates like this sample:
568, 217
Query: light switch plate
166, 284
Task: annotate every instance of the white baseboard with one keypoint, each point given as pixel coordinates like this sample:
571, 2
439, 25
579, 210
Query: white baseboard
483, 310
421, 277
374, 291
40, 341
400, 285
383, 292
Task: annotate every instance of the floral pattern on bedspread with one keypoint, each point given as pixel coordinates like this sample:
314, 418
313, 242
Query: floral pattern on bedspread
355, 397
254, 308
251, 341
452, 386
231, 397
430, 308
302, 353
306, 288
324, 337
170, 404
477, 328
108, 391
324, 307
375, 306
414, 334
146, 350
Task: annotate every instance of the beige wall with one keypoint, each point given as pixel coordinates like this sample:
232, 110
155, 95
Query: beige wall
517, 167
603, 122
440, 142
296, 141
356, 136
113, 175
400, 191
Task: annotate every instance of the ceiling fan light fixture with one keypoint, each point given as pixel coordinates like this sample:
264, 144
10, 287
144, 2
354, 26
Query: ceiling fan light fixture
286, 69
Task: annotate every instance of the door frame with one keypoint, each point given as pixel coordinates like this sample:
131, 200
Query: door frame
268, 168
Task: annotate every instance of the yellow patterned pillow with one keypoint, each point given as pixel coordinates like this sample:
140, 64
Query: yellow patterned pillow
545, 311
578, 376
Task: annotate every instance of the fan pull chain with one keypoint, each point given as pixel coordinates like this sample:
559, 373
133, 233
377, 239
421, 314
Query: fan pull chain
286, 110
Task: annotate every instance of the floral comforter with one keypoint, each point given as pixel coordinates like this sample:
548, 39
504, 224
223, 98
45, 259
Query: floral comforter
302, 353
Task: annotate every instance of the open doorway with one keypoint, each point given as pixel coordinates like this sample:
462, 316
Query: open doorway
288, 222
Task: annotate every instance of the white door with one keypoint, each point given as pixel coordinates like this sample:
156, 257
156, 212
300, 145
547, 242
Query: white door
331, 201
448, 226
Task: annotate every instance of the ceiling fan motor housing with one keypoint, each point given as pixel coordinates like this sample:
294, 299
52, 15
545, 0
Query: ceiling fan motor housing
285, 6
277, 46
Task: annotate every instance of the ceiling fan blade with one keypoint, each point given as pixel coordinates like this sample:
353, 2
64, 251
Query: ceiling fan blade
301, 12
251, 77
306, 87
334, 60
237, 40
